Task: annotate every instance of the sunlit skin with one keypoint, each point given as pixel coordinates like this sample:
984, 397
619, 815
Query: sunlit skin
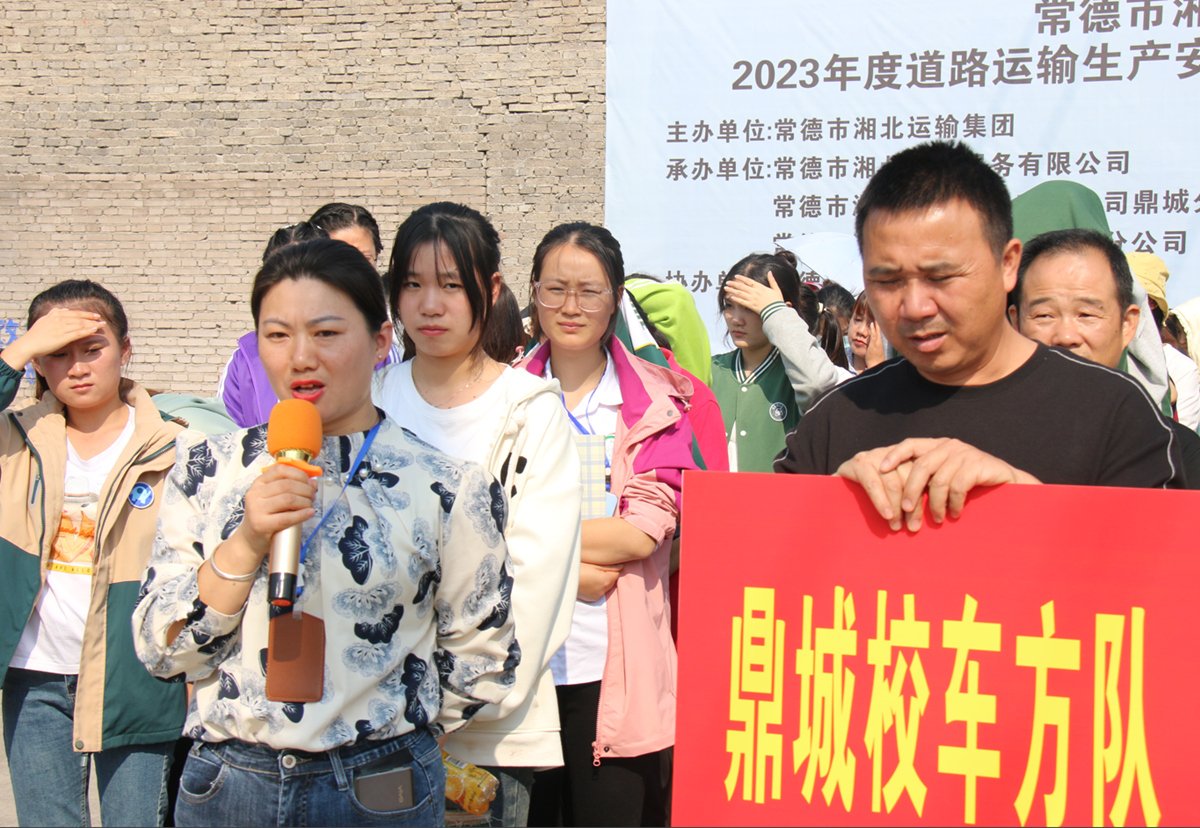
574, 332
1069, 300
863, 333
577, 360
939, 293
435, 312
745, 300
360, 238
315, 345
76, 351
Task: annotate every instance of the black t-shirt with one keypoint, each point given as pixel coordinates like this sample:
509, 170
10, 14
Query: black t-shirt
1189, 447
1058, 417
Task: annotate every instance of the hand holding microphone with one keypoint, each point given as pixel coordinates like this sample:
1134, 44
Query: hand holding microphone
278, 502
293, 439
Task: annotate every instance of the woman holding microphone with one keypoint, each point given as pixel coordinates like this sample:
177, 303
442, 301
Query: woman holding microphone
402, 628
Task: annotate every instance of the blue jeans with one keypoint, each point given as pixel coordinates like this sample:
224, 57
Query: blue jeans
238, 783
50, 780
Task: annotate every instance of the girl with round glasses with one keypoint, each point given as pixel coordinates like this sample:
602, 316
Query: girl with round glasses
616, 754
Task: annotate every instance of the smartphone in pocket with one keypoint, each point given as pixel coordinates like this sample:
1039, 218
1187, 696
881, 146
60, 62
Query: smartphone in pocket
385, 790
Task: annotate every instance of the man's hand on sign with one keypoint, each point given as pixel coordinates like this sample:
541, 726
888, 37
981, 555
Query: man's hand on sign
884, 488
895, 477
595, 581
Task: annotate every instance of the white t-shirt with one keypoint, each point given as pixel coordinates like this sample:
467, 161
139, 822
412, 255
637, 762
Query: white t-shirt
581, 657
53, 637
465, 431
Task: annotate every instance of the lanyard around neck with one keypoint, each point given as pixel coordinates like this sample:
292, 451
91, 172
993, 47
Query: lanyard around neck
362, 455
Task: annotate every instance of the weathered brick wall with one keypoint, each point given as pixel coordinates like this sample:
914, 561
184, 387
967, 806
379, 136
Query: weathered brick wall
155, 146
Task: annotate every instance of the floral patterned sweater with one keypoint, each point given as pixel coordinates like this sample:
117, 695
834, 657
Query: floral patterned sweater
409, 572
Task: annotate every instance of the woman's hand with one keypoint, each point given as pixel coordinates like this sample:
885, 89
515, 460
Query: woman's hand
751, 295
51, 333
281, 497
595, 581
875, 350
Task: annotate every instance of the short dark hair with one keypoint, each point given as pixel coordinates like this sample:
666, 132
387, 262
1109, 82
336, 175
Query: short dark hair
336, 216
935, 173
474, 246
337, 264
1077, 240
88, 295
600, 243
292, 234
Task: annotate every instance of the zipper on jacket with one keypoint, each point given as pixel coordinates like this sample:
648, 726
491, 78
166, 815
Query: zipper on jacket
596, 750
39, 488
107, 506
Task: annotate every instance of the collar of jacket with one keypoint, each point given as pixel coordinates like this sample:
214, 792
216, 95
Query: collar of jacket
645, 387
44, 428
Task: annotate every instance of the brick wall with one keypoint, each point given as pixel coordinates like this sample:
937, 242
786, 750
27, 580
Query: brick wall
155, 146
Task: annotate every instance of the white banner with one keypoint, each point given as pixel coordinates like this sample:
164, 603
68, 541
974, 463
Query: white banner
733, 127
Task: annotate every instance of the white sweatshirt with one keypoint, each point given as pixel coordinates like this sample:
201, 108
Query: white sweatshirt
533, 455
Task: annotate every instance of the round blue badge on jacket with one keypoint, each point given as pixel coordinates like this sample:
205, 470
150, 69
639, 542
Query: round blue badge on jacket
142, 496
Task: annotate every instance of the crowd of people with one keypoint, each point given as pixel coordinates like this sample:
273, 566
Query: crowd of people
491, 527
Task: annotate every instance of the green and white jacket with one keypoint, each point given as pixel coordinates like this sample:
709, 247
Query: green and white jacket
118, 703
760, 408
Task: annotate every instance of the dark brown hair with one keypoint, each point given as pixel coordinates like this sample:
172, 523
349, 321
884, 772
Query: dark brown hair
335, 263
474, 245
600, 243
87, 295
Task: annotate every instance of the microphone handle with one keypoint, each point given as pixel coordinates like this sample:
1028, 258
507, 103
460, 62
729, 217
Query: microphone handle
285, 563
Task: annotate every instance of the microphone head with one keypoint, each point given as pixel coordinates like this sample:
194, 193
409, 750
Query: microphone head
294, 424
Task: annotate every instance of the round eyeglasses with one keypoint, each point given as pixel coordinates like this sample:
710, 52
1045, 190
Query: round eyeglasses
554, 296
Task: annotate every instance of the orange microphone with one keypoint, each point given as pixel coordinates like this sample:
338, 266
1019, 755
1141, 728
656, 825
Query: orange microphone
293, 437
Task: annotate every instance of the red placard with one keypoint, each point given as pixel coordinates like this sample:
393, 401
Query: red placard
1038, 664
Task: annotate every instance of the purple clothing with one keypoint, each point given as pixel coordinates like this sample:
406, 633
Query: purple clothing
247, 392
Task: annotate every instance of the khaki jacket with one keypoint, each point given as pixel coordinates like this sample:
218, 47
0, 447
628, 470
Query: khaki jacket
118, 702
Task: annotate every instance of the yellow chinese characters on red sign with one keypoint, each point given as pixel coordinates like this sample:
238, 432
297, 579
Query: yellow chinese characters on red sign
966, 700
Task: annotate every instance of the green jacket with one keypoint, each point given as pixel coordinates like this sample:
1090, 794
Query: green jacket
767, 404
118, 702
762, 406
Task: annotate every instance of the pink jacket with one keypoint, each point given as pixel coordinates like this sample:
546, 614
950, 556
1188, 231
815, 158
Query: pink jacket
653, 448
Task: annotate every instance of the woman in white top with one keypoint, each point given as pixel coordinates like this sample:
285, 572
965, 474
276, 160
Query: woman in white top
444, 278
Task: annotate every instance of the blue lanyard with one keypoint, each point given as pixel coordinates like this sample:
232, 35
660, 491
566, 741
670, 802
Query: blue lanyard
577, 424
591, 432
362, 454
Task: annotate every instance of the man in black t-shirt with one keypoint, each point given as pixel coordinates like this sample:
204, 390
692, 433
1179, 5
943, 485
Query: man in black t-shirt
971, 402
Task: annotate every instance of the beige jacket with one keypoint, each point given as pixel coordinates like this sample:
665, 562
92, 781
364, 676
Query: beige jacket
118, 702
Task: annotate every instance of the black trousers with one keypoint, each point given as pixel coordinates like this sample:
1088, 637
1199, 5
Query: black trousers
621, 791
